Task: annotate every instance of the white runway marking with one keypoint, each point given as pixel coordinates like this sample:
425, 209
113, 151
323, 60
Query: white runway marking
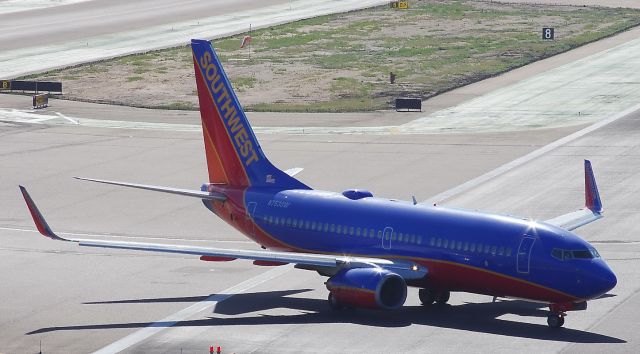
67, 118
207, 304
526, 158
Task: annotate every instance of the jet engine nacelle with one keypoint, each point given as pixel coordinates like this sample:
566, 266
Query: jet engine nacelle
369, 288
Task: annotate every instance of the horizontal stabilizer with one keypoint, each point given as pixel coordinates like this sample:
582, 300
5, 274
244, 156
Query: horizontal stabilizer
293, 171
178, 191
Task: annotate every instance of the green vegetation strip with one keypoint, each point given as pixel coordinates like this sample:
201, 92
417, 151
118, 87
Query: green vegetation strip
342, 62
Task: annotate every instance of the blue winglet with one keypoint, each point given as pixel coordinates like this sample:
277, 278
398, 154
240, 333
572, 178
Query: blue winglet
591, 194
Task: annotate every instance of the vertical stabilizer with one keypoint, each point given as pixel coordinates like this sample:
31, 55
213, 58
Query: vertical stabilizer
234, 156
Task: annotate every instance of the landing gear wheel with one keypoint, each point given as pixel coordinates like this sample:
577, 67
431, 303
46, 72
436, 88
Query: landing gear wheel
442, 297
555, 320
427, 296
334, 304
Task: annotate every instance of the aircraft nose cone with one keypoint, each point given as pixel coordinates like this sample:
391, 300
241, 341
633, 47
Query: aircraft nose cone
611, 281
605, 280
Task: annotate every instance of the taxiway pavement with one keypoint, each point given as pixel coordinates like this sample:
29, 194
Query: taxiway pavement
81, 300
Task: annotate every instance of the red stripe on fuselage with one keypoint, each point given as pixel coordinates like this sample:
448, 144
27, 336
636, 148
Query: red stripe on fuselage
460, 277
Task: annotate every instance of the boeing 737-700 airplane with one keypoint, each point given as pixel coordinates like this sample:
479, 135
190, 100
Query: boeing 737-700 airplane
371, 249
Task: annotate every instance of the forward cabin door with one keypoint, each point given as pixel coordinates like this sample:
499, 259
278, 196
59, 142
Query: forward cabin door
524, 254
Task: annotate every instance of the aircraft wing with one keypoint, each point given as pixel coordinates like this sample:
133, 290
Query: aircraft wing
593, 205
324, 262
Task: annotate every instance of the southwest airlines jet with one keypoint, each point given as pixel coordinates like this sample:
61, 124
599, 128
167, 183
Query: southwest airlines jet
372, 249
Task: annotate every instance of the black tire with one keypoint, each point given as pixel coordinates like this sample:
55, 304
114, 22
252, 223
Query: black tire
555, 321
427, 296
443, 297
334, 304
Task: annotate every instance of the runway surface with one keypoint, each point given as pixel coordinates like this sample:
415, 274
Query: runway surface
40, 40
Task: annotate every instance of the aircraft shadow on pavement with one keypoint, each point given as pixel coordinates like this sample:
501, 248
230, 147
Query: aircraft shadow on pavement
244, 309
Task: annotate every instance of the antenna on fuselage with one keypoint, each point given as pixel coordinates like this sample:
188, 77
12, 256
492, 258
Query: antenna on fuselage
413, 197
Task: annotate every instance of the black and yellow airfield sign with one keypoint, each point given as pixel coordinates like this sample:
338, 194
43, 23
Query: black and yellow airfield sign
399, 4
5, 85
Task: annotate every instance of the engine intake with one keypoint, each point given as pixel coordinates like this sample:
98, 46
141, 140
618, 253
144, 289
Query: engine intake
368, 288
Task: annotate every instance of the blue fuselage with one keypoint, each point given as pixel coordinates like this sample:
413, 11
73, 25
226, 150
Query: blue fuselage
463, 250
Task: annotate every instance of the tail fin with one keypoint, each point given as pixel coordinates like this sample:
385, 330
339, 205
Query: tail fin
234, 156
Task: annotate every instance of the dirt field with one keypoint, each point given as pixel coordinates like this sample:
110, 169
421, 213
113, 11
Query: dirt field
343, 62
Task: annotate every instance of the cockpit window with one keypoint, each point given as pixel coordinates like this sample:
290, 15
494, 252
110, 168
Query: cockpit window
585, 254
564, 255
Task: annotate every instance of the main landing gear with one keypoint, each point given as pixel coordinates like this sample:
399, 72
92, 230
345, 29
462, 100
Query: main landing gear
555, 320
429, 296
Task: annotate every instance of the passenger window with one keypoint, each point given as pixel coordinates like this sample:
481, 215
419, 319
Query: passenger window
351, 230
479, 248
419, 239
379, 234
358, 232
333, 227
288, 221
307, 225
339, 229
439, 243
313, 225
509, 252
294, 223
501, 251
432, 242
445, 243
344, 229
372, 233
486, 248
393, 236
472, 247
466, 246
326, 227
459, 246
452, 245
493, 250
270, 220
